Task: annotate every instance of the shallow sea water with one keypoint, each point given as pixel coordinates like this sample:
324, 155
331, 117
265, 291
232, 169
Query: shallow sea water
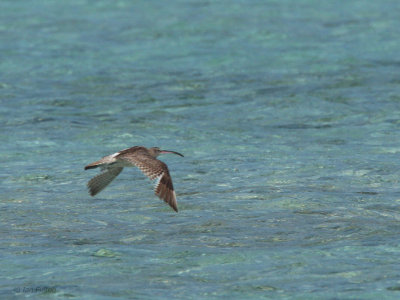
287, 112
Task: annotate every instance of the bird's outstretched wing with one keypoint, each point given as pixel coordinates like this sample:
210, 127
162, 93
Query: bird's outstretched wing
99, 182
164, 189
155, 169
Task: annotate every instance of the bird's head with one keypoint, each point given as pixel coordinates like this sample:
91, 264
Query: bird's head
155, 151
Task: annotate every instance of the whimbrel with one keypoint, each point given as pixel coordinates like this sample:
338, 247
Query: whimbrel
143, 158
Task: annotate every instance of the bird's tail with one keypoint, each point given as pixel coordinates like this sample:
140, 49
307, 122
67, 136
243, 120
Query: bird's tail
94, 165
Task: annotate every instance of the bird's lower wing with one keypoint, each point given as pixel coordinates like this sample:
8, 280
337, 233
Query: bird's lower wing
99, 182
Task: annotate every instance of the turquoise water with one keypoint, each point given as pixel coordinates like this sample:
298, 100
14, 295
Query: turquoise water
287, 112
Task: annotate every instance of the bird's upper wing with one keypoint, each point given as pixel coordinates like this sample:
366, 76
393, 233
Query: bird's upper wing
155, 169
99, 182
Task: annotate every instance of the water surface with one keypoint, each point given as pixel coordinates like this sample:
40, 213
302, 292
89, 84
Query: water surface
287, 113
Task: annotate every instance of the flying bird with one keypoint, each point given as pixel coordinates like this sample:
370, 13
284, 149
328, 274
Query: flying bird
143, 158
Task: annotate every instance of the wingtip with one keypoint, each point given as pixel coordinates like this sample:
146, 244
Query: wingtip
91, 191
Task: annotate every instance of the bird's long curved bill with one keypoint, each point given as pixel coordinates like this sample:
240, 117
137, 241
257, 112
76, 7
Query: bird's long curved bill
168, 151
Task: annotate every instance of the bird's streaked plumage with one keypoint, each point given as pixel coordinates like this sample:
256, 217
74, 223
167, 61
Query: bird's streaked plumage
141, 157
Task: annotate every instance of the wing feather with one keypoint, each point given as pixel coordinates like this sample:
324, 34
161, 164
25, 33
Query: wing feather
156, 170
99, 182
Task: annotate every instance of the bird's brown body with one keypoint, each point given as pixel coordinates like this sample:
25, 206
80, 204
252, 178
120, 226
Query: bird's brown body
143, 158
